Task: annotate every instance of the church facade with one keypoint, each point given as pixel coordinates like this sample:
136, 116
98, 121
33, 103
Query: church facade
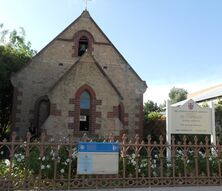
79, 83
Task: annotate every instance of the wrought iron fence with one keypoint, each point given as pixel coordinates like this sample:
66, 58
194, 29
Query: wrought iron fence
52, 164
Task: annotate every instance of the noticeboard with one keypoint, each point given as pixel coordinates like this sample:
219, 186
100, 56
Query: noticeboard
190, 118
98, 158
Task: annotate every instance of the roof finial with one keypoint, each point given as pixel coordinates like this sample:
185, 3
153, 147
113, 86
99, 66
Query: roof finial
86, 2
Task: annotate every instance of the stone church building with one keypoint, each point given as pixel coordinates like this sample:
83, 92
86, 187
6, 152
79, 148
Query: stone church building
78, 83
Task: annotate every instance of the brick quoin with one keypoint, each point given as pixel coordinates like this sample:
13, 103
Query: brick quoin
54, 111
126, 123
97, 126
71, 113
98, 102
114, 113
98, 114
70, 125
71, 101
140, 123
126, 115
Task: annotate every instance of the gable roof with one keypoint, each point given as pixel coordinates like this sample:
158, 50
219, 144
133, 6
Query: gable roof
85, 14
98, 66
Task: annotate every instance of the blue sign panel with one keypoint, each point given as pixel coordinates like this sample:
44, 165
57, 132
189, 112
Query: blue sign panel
98, 147
86, 165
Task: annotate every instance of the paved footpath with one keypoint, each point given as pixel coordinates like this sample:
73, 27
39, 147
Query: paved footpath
190, 188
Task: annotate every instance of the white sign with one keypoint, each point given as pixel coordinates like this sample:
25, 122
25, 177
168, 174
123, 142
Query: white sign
190, 118
82, 118
97, 163
98, 158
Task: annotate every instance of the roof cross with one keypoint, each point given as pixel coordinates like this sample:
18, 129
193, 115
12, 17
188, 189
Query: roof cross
86, 2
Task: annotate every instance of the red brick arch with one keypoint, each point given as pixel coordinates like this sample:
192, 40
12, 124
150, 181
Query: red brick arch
77, 37
92, 121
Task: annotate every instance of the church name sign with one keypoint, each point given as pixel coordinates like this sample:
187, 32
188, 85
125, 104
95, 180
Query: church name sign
190, 118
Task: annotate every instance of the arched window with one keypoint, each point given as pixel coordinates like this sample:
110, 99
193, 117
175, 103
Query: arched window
85, 105
85, 110
41, 113
83, 45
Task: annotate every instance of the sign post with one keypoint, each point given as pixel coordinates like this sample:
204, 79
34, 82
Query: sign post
168, 133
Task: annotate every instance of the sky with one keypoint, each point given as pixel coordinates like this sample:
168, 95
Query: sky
169, 43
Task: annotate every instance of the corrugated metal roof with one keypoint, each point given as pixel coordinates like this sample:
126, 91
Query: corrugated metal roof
209, 95
215, 93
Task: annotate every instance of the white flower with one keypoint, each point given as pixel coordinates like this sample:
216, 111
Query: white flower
210, 159
52, 140
19, 160
133, 156
47, 166
16, 155
7, 162
153, 166
22, 157
156, 156
42, 167
2, 152
188, 161
43, 158
168, 165
154, 161
139, 170
67, 160
62, 170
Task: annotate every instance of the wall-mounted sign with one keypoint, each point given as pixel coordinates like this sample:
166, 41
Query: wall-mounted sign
98, 158
82, 118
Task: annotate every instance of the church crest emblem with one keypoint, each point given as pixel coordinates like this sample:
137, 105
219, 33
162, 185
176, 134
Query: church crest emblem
190, 106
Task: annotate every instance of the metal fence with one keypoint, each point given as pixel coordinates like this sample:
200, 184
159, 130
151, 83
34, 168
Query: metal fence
52, 164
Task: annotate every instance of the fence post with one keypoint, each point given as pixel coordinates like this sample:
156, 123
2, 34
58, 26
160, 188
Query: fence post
168, 132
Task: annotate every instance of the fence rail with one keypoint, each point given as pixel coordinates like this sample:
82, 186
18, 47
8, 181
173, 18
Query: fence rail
52, 164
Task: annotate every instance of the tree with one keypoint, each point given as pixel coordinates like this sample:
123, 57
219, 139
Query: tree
177, 94
154, 120
149, 107
14, 53
218, 118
